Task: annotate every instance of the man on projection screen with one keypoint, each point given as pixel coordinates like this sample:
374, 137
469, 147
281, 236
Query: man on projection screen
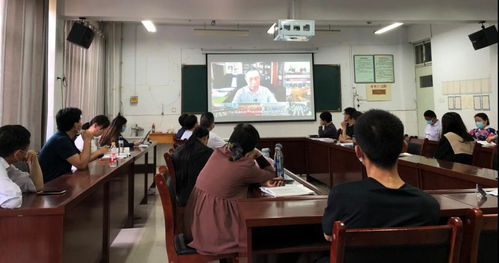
253, 92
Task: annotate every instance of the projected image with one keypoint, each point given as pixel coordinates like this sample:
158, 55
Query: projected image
261, 87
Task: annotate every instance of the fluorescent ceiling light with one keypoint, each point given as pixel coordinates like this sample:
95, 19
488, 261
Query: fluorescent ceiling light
221, 32
149, 25
271, 29
388, 28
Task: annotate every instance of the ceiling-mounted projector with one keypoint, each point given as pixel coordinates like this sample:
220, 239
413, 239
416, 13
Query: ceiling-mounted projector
292, 30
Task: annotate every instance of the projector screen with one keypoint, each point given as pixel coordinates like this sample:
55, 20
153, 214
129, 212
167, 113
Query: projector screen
260, 87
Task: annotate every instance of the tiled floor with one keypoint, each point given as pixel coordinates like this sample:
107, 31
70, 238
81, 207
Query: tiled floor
145, 243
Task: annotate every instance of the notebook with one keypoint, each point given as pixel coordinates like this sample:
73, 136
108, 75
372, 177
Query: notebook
287, 190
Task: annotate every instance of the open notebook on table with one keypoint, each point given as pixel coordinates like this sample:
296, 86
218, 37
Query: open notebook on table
287, 190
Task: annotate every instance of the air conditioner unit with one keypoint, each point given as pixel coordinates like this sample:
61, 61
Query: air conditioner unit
292, 30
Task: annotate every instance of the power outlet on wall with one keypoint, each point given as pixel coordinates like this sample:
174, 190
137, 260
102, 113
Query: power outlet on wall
173, 109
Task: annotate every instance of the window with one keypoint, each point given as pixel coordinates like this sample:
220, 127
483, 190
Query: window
422, 52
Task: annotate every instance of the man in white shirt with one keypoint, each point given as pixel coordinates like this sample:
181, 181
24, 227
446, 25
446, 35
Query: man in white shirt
208, 122
14, 142
190, 123
253, 92
433, 127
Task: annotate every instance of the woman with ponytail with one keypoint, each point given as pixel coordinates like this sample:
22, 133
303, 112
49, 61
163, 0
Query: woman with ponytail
96, 127
212, 219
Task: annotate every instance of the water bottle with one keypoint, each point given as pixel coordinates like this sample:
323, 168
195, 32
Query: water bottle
113, 155
279, 160
121, 145
266, 152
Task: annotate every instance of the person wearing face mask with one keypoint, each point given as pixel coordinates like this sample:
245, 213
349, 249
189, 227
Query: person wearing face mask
59, 153
433, 127
96, 127
383, 199
481, 132
113, 133
456, 144
189, 159
14, 143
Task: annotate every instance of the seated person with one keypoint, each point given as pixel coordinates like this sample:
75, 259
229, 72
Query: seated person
180, 131
327, 128
456, 144
190, 123
59, 153
14, 143
211, 212
96, 127
253, 92
208, 121
383, 199
189, 159
348, 132
481, 132
113, 133
347, 115
433, 128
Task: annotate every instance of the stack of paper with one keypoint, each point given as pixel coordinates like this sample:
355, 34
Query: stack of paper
493, 192
287, 190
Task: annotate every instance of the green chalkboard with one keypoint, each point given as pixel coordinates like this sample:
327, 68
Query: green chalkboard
194, 89
327, 88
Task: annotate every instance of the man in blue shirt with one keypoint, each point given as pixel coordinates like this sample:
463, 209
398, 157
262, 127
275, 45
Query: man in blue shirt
253, 92
59, 153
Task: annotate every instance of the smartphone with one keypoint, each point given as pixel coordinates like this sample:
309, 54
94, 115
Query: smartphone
51, 192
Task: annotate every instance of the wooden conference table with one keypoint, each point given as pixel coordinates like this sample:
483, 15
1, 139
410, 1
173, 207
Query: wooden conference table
333, 164
80, 225
293, 224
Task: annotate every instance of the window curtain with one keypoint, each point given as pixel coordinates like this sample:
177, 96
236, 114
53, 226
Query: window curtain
23, 27
84, 71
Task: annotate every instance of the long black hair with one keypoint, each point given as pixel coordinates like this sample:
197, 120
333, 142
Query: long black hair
242, 140
452, 122
113, 131
100, 120
187, 148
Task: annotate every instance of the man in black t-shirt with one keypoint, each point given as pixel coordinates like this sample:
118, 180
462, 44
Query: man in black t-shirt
327, 128
59, 153
383, 199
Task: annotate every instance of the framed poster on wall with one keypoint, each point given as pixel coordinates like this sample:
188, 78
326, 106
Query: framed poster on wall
363, 68
383, 69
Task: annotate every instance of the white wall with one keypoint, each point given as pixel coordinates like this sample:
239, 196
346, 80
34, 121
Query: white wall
453, 58
152, 63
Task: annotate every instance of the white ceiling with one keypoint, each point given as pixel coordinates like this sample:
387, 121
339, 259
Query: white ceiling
263, 12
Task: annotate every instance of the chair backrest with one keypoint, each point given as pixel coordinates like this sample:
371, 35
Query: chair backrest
484, 156
167, 201
397, 244
479, 237
171, 168
415, 145
429, 148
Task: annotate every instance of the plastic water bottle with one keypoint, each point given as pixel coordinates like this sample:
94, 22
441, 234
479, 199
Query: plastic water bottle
121, 144
266, 152
113, 155
279, 160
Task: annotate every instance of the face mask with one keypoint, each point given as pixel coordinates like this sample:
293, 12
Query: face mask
123, 129
479, 124
429, 122
361, 161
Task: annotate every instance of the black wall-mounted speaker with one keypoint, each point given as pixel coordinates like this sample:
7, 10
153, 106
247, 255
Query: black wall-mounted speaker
81, 35
484, 37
